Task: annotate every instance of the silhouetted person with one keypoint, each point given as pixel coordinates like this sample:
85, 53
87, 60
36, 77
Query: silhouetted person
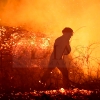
61, 47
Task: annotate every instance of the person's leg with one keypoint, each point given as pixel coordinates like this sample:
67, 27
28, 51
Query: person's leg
64, 71
47, 73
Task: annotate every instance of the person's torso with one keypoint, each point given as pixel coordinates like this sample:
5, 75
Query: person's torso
59, 47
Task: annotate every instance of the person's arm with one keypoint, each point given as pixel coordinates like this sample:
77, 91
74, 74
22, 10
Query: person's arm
67, 49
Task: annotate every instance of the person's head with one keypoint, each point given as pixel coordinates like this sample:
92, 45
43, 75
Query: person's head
67, 31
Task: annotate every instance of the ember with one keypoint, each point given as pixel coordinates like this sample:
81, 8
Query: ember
54, 95
24, 47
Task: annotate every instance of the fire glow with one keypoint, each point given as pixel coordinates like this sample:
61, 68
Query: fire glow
50, 17
24, 49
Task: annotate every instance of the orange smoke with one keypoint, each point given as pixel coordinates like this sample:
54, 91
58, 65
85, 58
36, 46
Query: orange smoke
51, 16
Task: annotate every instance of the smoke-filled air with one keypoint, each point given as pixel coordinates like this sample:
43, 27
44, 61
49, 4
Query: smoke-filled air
51, 16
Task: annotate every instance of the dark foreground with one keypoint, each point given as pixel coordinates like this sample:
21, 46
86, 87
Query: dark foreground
61, 94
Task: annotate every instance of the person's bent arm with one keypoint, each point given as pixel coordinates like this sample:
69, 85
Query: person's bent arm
67, 49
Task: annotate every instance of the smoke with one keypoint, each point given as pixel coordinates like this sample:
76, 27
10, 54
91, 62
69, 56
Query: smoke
51, 16
40, 15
